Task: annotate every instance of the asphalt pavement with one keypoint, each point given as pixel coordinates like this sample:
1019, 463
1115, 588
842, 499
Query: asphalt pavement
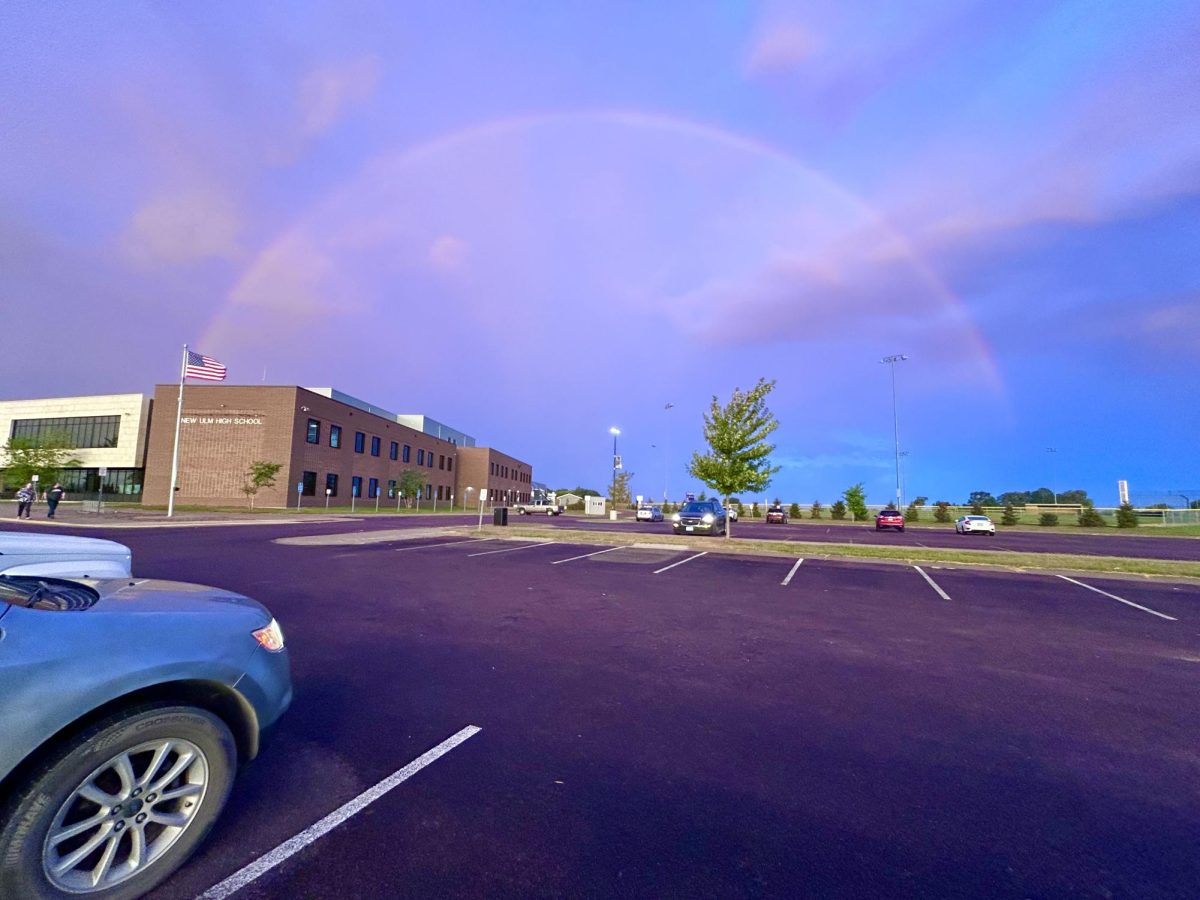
678, 723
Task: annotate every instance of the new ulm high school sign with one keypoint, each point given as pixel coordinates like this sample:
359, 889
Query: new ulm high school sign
221, 420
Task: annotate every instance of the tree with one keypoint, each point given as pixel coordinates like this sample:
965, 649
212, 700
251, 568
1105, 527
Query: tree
45, 458
410, 484
1015, 498
1010, 515
913, 513
794, 511
1048, 519
621, 492
738, 460
977, 509
1089, 518
755, 511
1126, 516
982, 498
1041, 495
856, 501
261, 474
941, 511
837, 509
815, 512
1075, 496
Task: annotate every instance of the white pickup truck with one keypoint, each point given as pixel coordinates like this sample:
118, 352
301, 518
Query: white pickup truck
538, 508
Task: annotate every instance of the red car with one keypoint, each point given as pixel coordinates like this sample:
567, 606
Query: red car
889, 518
776, 515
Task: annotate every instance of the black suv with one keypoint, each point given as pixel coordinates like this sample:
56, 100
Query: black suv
700, 517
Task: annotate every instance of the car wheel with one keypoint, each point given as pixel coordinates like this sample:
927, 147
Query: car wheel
118, 808
900, 528
549, 512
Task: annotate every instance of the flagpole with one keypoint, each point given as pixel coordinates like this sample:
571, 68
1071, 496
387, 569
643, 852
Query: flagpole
178, 420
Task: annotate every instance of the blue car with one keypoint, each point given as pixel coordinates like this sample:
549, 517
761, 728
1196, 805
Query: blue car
127, 707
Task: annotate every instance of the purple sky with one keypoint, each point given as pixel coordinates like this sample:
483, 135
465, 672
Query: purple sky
664, 200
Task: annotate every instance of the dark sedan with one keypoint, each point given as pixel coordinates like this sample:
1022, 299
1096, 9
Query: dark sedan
700, 517
128, 707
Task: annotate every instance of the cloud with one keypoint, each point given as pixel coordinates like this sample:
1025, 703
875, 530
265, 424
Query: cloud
448, 253
183, 227
783, 48
329, 93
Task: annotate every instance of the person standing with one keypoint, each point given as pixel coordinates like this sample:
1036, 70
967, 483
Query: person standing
53, 496
25, 500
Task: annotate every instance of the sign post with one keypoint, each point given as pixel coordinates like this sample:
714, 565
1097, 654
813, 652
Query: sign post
377, 493
482, 498
299, 492
103, 470
328, 491
34, 479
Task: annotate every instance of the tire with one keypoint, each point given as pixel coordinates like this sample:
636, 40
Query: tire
51, 800
549, 512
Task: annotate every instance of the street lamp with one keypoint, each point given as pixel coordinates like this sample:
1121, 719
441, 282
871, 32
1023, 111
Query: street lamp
467, 496
1053, 472
891, 362
614, 431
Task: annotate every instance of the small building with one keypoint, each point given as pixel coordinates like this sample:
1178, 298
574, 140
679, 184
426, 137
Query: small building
506, 478
568, 499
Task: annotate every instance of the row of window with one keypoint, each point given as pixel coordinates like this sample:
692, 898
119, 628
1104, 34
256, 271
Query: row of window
424, 458
503, 471
309, 481
70, 431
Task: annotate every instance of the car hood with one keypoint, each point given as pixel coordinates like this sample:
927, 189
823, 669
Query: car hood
137, 596
29, 553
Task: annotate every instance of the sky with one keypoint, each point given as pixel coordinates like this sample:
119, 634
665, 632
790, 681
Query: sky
538, 221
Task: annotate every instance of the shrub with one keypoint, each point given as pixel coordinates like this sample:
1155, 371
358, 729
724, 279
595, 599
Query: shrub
1089, 518
977, 508
755, 511
815, 512
741, 510
794, 511
1047, 519
837, 510
1126, 517
856, 500
1010, 515
941, 511
913, 513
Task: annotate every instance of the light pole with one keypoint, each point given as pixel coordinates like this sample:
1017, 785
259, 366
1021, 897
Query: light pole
467, 496
891, 361
1053, 472
903, 453
666, 450
614, 431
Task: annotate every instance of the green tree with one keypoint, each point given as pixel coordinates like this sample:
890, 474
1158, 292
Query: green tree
1126, 516
794, 511
837, 509
740, 509
1089, 518
261, 474
755, 511
738, 460
1015, 498
45, 458
912, 513
410, 484
1048, 519
1010, 515
1042, 496
622, 495
856, 501
1075, 496
941, 511
816, 509
982, 498
977, 509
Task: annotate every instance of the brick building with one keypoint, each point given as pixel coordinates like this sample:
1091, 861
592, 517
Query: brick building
507, 479
324, 440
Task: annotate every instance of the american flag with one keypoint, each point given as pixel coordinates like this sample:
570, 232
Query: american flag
203, 367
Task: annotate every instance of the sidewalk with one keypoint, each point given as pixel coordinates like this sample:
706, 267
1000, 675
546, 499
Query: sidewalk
129, 515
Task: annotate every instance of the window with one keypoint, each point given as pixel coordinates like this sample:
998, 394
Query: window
335, 436
356, 486
374, 446
429, 459
420, 457
360, 442
449, 463
492, 471
429, 492
331, 484
439, 492
407, 455
393, 450
392, 485
75, 431
373, 488
313, 435
441, 461
309, 480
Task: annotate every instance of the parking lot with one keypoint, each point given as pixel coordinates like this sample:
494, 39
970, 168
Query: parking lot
667, 722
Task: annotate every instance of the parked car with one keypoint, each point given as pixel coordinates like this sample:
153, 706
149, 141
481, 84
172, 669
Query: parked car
649, 514
700, 516
30, 553
128, 707
776, 515
889, 518
539, 508
731, 513
972, 524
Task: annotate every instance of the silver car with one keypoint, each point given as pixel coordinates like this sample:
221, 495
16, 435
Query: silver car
127, 707
33, 553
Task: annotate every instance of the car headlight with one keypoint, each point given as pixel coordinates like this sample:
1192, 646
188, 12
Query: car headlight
708, 518
674, 517
270, 636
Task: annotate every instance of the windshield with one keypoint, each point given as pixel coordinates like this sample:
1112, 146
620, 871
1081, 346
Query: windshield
697, 508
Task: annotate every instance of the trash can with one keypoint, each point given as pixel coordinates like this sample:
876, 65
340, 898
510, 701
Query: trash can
500, 515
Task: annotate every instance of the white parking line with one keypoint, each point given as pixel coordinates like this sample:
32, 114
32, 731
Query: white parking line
933, 584
290, 847
585, 556
446, 544
513, 549
1121, 599
681, 562
793, 572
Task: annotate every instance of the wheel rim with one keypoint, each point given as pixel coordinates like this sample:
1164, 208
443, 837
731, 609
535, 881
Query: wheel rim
125, 815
